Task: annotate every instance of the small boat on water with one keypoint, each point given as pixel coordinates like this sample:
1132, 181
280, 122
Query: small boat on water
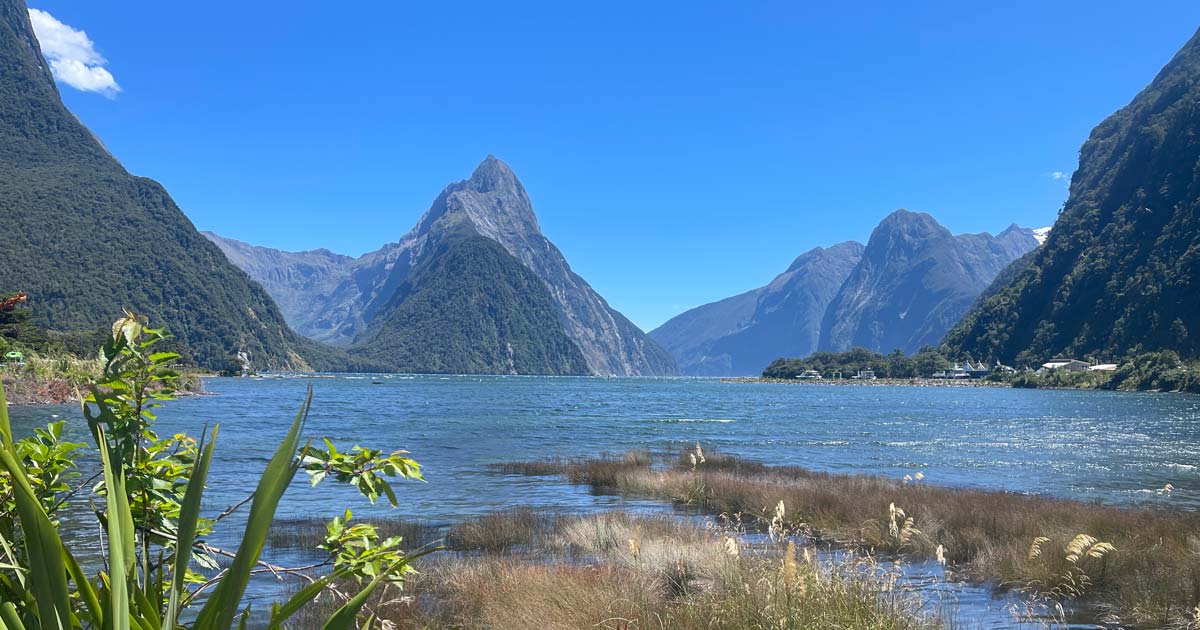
809, 375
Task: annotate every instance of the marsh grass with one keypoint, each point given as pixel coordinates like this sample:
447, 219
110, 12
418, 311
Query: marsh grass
621, 571
499, 532
1147, 576
716, 461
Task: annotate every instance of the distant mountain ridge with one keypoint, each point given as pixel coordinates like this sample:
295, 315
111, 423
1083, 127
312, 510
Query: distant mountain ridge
287, 276
339, 300
914, 282
740, 335
904, 289
86, 239
1118, 273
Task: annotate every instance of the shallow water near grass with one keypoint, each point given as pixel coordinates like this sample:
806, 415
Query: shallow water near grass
1107, 446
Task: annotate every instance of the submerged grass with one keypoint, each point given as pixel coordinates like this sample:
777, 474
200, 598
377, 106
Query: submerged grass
624, 572
1138, 566
306, 533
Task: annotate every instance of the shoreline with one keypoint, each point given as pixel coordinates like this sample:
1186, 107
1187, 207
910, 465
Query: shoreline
937, 382
26, 390
879, 382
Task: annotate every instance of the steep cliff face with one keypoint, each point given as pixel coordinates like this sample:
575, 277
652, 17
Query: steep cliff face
496, 205
742, 334
87, 239
1118, 272
914, 282
492, 203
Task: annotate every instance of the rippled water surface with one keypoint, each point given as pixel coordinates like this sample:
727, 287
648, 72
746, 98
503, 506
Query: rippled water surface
1115, 447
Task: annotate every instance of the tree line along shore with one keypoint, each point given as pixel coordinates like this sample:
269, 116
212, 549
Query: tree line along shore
1161, 371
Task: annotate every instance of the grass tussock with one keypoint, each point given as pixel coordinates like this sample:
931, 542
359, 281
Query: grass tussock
625, 572
499, 532
1140, 566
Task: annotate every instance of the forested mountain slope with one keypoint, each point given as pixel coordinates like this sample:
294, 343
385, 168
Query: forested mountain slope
86, 239
1118, 273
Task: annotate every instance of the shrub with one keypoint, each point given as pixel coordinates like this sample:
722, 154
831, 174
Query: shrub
151, 493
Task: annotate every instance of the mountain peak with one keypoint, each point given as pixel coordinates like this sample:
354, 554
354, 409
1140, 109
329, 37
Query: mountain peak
904, 229
475, 277
1185, 59
492, 202
905, 217
493, 175
52, 163
914, 281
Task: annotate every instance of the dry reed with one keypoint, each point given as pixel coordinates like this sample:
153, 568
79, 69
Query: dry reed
1146, 573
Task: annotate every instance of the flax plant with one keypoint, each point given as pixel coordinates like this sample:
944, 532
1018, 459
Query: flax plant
151, 490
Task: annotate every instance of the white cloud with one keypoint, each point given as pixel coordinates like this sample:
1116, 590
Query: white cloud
1059, 176
72, 56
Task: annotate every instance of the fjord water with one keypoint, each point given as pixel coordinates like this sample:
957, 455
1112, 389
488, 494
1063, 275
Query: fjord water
1110, 446
1116, 447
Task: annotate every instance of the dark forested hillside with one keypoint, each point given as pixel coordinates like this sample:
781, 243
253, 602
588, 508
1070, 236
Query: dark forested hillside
471, 308
86, 239
1118, 273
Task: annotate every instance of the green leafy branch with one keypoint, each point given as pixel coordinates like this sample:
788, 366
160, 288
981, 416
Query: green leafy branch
364, 468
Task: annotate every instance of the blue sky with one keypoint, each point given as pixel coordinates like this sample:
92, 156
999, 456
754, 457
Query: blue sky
677, 153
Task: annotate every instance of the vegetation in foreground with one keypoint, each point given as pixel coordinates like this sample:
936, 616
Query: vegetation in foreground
155, 563
1137, 567
521, 569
